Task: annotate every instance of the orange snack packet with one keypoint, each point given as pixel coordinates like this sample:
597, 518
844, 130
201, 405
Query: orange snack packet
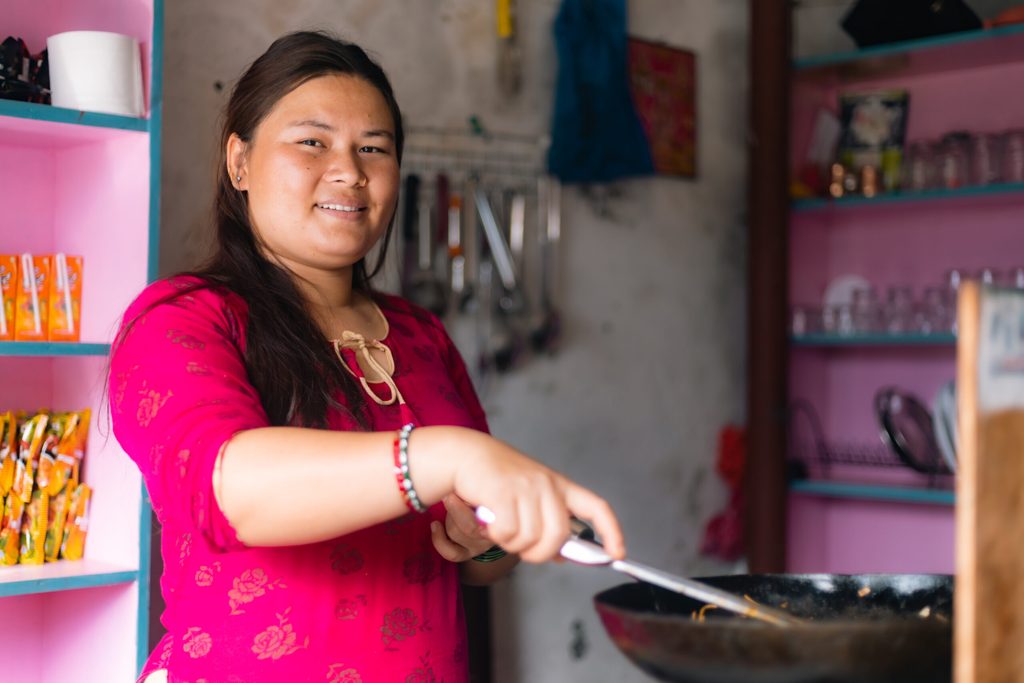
57, 518
31, 307
10, 537
65, 298
72, 546
8, 287
45, 478
33, 529
29, 446
8, 451
69, 453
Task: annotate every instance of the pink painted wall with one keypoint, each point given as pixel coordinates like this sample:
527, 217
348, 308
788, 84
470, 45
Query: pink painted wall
853, 536
74, 635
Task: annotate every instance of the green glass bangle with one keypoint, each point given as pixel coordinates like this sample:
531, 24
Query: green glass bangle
495, 553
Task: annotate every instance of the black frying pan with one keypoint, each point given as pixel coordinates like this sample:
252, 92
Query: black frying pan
879, 628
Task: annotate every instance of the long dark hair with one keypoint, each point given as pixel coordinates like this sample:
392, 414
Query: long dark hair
295, 372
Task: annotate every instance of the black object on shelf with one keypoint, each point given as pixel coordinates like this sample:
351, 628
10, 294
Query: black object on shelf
23, 77
876, 22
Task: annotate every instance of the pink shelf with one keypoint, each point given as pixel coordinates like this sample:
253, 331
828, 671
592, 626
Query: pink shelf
24, 124
84, 184
955, 83
63, 575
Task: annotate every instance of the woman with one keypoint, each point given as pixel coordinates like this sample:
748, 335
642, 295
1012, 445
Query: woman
313, 449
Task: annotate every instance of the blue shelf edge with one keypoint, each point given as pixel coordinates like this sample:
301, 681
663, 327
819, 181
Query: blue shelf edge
835, 489
907, 46
36, 586
45, 112
872, 340
822, 204
17, 348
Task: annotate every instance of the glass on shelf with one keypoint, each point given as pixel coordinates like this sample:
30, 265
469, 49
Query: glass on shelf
1013, 157
867, 313
899, 310
954, 160
986, 154
1016, 279
919, 166
804, 320
933, 315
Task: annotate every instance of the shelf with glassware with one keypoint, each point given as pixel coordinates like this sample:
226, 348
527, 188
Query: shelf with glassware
83, 184
906, 179
909, 127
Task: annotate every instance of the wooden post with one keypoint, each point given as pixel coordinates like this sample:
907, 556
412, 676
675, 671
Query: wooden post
767, 250
989, 598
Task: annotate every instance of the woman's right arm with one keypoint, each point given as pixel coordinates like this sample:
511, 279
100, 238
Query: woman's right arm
313, 494
183, 409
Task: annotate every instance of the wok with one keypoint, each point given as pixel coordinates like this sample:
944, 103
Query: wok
874, 628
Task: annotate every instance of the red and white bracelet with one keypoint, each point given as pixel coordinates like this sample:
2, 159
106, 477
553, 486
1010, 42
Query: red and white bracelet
401, 453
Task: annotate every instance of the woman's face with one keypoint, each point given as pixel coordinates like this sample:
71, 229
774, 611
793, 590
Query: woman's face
321, 173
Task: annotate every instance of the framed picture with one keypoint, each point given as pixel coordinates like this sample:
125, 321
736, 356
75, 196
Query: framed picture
874, 126
663, 81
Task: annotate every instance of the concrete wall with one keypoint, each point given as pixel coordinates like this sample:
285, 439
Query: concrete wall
653, 282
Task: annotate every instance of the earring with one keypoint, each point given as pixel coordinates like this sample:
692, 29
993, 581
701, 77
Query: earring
238, 178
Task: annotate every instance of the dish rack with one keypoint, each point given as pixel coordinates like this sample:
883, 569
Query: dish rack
811, 455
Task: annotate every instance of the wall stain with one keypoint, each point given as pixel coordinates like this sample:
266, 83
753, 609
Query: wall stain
579, 645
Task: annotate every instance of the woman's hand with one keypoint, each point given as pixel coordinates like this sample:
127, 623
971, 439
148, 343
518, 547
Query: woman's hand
461, 537
531, 502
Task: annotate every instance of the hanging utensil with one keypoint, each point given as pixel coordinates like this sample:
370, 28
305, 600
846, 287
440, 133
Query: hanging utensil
510, 60
517, 229
499, 252
456, 255
410, 219
545, 334
506, 345
423, 287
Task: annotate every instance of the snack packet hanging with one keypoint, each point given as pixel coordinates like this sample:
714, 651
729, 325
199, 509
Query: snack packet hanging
70, 452
48, 453
8, 292
10, 537
58, 515
31, 298
65, 298
33, 529
73, 544
29, 446
8, 451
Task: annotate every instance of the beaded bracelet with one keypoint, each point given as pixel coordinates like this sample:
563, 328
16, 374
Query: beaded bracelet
495, 553
401, 452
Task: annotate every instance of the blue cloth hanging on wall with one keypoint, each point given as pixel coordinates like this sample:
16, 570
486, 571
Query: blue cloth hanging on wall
596, 134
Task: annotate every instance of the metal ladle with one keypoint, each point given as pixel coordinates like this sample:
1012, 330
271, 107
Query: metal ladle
585, 552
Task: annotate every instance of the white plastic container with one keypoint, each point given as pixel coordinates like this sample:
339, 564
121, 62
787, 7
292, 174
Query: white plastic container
96, 71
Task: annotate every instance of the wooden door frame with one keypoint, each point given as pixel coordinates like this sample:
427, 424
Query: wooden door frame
767, 284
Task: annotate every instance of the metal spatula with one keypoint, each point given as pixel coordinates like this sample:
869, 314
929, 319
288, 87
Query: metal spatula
582, 551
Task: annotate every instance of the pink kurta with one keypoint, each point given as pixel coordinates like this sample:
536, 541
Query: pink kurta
376, 605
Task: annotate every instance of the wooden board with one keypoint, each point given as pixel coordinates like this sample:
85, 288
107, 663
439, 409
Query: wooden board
989, 629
